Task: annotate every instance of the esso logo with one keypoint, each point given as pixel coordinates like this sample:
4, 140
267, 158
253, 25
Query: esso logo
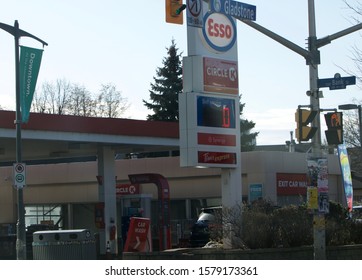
219, 31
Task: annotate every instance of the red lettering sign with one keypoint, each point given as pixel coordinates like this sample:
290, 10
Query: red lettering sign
219, 31
127, 189
216, 139
137, 236
221, 76
216, 157
291, 184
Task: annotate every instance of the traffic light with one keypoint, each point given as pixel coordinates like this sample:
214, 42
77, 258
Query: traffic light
334, 122
174, 10
303, 118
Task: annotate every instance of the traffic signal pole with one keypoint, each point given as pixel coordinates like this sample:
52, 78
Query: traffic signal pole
312, 56
313, 62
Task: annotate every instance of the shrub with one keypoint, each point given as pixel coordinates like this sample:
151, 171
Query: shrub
291, 227
263, 225
256, 229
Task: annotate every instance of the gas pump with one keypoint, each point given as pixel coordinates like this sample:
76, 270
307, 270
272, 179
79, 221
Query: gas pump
131, 205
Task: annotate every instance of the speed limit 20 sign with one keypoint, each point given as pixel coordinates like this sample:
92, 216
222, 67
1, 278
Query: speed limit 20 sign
19, 175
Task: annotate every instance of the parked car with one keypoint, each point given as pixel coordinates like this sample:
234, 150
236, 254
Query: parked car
200, 232
357, 213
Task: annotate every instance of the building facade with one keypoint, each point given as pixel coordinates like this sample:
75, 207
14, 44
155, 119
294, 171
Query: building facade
66, 194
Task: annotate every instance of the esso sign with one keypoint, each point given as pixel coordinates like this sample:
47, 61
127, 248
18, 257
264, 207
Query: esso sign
219, 31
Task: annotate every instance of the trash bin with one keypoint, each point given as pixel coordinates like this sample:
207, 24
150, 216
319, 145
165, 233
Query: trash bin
78, 244
29, 236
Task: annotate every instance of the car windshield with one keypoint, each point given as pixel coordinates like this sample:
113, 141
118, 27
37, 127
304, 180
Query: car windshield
357, 212
210, 213
206, 217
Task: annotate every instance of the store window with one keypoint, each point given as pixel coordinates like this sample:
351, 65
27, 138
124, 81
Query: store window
43, 215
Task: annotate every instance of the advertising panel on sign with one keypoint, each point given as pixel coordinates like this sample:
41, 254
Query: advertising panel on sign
210, 33
219, 32
216, 157
215, 112
210, 130
216, 139
220, 76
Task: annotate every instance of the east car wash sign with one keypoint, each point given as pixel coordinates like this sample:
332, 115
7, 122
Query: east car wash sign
291, 184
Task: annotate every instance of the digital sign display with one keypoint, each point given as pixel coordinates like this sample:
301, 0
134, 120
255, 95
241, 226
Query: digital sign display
216, 112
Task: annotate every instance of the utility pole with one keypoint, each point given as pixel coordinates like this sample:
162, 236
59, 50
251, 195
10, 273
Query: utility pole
20, 226
312, 57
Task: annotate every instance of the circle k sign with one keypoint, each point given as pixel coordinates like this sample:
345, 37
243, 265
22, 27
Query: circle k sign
219, 31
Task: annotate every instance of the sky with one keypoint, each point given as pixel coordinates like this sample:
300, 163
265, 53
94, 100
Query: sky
91, 43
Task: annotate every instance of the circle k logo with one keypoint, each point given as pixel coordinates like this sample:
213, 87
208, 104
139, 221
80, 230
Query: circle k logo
233, 74
219, 31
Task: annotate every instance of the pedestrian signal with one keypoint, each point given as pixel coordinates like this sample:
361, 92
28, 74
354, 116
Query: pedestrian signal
334, 122
174, 10
303, 118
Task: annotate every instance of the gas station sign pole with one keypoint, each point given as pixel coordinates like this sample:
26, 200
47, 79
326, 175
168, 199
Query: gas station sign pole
209, 104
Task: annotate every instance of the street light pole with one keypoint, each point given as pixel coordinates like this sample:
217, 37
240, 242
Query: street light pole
313, 62
20, 226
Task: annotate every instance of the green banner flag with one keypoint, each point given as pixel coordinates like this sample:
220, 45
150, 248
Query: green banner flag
30, 60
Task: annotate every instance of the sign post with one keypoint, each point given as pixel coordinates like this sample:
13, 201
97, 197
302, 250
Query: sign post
209, 104
19, 175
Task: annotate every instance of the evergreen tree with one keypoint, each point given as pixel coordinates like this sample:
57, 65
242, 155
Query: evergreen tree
166, 87
247, 138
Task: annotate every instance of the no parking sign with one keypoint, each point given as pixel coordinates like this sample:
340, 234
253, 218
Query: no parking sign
19, 175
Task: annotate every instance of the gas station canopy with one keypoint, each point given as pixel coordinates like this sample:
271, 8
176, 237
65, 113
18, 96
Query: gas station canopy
53, 138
